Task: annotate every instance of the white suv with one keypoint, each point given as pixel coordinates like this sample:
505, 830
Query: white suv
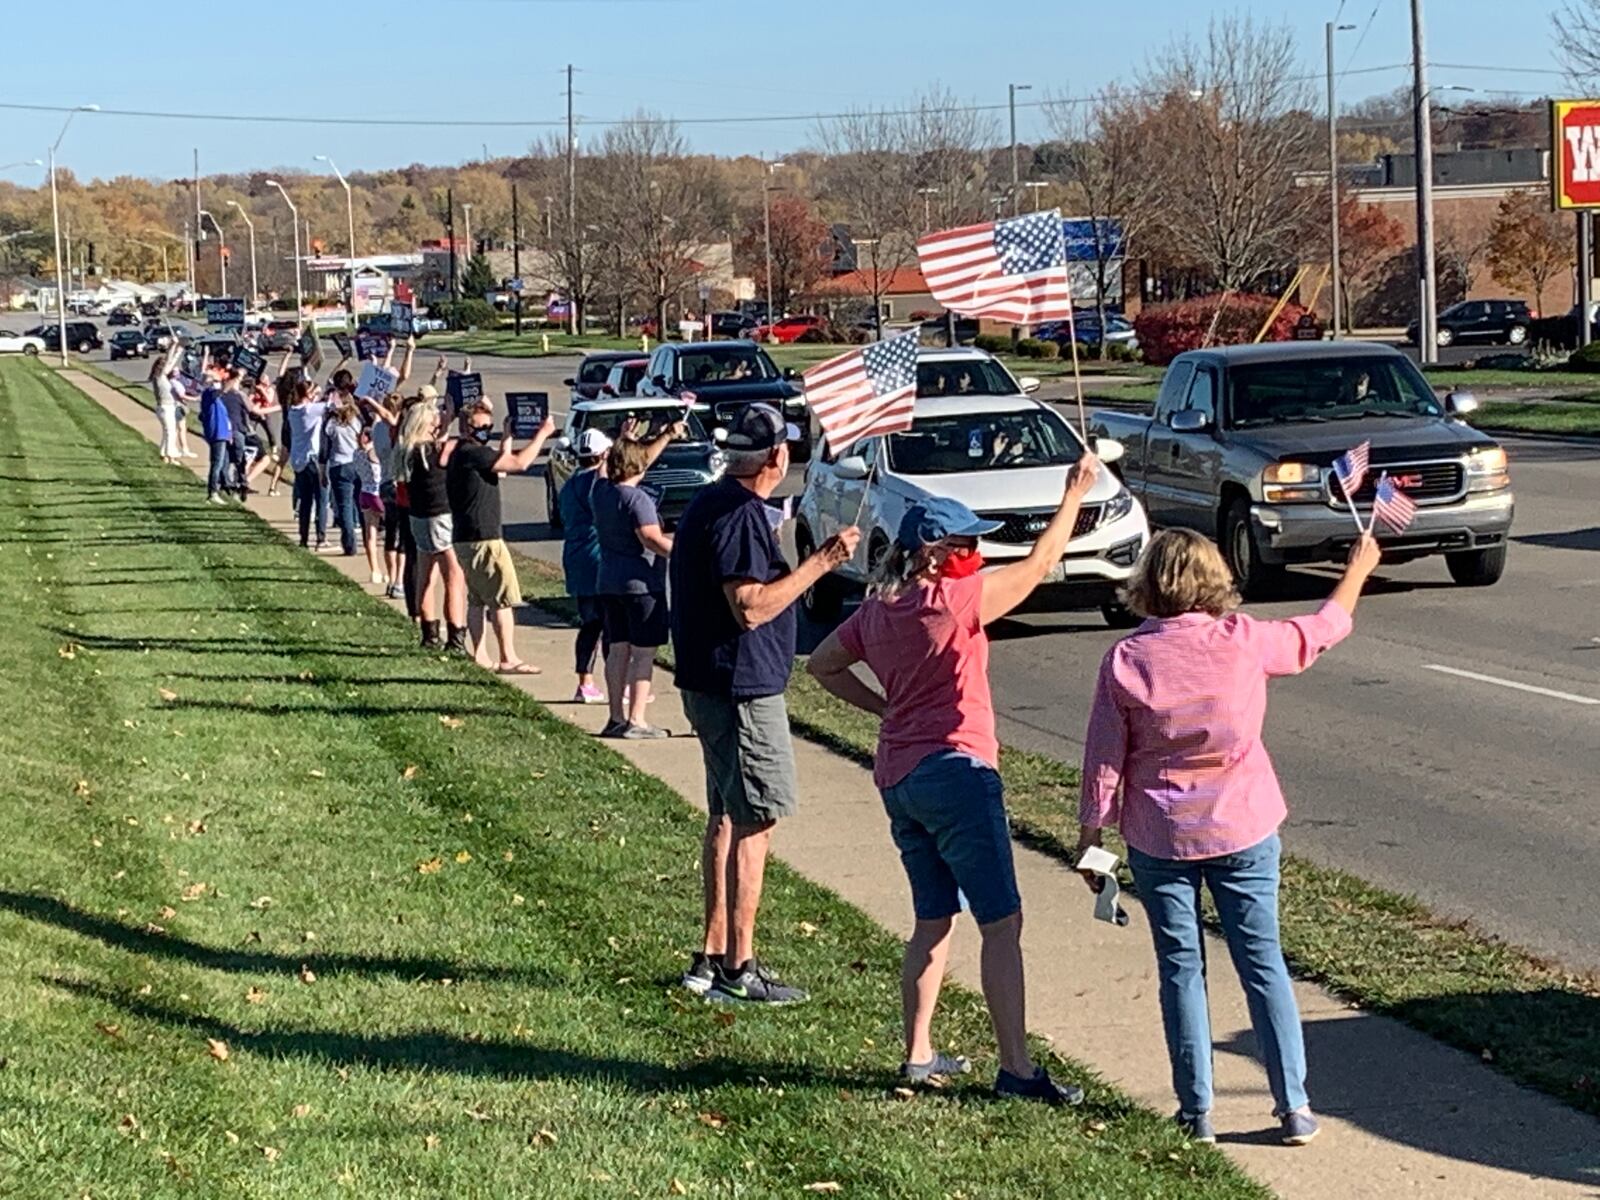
979, 438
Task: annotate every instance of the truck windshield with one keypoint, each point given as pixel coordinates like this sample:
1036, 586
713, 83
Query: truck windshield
733, 364
1327, 389
964, 377
650, 420
983, 442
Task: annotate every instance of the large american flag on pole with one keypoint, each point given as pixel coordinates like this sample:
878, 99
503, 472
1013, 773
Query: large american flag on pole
865, 392
1013, 270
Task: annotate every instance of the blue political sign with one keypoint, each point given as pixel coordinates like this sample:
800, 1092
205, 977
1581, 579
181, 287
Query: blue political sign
1083, 234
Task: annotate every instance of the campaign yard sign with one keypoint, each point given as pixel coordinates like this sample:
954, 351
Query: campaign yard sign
342, 343
372, 347
376, 382
1575, 153
251, 362
225, 312
464, 388
400, 320
527, 411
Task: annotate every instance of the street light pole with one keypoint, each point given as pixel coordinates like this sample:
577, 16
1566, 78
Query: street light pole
1016, 189
466, 217
294, 221
1422, 129
1333, 181
927, 208
350, 221
766, 233
255, 290
55, 214
222, 247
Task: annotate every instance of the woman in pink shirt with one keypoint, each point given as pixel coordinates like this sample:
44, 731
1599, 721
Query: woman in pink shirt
1174, 758
921, 631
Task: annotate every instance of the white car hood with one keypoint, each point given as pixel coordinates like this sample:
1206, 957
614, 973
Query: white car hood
1012, 489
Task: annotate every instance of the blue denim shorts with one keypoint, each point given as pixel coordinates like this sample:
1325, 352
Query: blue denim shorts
948, 817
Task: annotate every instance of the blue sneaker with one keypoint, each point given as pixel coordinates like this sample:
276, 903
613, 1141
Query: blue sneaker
1197, 1127
940, 1064
1299, 1127
1040, 1087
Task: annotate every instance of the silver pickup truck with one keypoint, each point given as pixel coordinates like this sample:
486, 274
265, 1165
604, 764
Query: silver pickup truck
1242, 440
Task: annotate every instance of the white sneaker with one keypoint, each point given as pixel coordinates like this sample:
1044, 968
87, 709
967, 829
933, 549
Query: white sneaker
190, 454
378, 577
214, 498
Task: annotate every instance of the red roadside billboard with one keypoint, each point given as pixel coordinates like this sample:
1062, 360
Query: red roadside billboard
1575, 153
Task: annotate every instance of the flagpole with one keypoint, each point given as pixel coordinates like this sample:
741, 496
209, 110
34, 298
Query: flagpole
866, 490
1372, 524
1354, 515
1077, 378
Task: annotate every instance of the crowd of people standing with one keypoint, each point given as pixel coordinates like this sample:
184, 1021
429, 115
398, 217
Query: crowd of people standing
1174, 758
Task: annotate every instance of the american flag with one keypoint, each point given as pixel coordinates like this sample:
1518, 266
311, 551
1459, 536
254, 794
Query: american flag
1351, 468
865, 392
1392, 506
1013, 270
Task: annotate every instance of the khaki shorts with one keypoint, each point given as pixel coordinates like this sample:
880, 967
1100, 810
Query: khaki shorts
491, 575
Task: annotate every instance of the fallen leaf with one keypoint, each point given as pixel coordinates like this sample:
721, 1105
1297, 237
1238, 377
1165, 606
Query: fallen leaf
823, 1185
67, 651
261, 902
110, 1030
231, 1136
194, 891
146, 990
904, 1093
725, 1019
307, 975
81, 788
431, 867
166, 912
807, 929
308, 936
451, 722
714, 1120
129, 1122
152, 927
270, 1153
676, 1188
431, 1142
477, 1114
463, 857
218, 1049
300, 1110
316, 774
545, 1137
517, 901
1097, 1126
410, 772
196, 828
255, 996
509, 857
167, 694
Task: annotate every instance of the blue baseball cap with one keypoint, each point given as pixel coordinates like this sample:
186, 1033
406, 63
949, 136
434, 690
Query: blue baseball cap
940, 518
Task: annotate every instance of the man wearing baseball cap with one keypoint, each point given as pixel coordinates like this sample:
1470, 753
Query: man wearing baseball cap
733, 633
580, 558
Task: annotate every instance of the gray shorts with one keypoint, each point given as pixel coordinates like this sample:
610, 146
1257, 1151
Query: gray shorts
749, 758
433, 535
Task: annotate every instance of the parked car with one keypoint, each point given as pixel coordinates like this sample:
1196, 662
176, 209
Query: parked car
590, 377
624, 378
1500, 321
732, 324
720, 378
20, 343
1085, 327
129, 343
1240, 445
977, 437
684, 467
788, 329
160, 333
279, 336
122, 316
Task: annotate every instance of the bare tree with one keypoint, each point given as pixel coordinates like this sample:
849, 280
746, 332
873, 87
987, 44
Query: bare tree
580, 238
1233, 118
1576, 26
1112, 175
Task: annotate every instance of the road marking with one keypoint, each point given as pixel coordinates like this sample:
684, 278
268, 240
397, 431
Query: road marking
1511, 683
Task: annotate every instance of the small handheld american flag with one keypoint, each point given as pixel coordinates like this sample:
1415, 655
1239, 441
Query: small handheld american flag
1351, 470
1392, 506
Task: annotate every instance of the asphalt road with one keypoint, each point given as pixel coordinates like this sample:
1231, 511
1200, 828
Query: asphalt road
1449, 749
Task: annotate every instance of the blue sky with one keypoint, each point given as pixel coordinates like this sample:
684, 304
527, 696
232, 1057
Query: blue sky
503, 59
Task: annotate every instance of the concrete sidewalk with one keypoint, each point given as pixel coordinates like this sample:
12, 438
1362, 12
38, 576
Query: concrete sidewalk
1402, 1114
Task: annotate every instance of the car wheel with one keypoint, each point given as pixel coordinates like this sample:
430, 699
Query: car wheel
1477, 568
552, 505
1255, 579
823, 599
1444, 337
1118, 615
33, 350
1517, 336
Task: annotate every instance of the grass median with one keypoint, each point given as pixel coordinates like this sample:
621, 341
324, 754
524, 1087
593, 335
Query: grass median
291, 908
1528, 1017
1561, 417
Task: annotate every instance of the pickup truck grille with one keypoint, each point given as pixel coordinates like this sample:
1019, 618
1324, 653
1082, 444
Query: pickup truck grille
1436, 481
1023, 529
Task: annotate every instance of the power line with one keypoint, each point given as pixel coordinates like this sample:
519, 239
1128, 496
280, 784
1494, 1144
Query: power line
1361, 40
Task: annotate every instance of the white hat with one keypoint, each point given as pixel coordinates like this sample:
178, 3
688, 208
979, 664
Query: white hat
592, 443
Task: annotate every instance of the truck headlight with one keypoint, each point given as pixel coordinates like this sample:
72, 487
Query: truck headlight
1486, 470
717, 464
1118, 506
1291, 482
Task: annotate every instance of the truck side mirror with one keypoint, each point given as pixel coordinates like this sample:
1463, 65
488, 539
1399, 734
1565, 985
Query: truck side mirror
1460, 403
1190, 420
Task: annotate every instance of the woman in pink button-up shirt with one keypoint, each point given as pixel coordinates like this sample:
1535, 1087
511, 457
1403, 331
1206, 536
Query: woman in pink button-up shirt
1174, 759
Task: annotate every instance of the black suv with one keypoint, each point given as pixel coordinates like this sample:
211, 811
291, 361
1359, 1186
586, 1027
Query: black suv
82, 336
593, 371
1504, 321
721, 378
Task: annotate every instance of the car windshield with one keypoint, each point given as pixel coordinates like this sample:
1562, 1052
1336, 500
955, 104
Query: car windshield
964, 377
1314, 390
594, 370
732, 364
653, 417
983, 442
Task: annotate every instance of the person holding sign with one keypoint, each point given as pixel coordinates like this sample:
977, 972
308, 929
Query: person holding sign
1174, 759
473, 467
421, 447
162, 382
303, 424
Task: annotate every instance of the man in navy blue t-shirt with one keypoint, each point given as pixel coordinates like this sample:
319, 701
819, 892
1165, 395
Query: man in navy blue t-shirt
733, 636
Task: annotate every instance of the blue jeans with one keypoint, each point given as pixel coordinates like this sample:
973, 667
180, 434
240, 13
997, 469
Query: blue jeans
310, 494
948, 817
1245, 888
217, 475
343, 482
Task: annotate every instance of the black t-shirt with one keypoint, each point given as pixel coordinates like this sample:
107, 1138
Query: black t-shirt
233, 401
426, 484
474, 490
726, 535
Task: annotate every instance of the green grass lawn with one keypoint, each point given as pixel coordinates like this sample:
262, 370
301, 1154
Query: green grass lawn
289, 908
1545, 416
1534, 1020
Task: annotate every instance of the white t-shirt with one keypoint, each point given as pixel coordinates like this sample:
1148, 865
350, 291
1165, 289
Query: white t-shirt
163, 391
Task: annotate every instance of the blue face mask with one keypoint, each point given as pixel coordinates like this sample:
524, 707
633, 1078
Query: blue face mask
482, 433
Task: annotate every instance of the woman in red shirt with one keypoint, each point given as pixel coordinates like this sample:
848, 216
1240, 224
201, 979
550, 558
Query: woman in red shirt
921, 631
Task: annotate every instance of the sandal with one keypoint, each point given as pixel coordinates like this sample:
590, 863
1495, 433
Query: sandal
519, 668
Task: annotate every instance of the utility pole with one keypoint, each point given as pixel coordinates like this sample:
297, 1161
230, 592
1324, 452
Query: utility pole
1333, 183
450, 228
466, 218
575, 247
199, 227
1016, 177
1422, 124
516, 258
1585, 274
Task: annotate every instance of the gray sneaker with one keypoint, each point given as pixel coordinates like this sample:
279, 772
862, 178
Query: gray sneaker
700, 975
1299, 1127
1197, 1126
940, 1064
642, 733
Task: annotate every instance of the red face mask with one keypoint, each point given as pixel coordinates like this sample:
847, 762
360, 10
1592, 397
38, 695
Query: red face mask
962, 564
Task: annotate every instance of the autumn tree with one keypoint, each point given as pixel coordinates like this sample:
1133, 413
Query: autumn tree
1529, 244
801, 247
1369, 239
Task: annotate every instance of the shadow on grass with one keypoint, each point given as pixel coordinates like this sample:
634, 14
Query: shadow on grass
341, 711
438, 1051
50, 911
198, 645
